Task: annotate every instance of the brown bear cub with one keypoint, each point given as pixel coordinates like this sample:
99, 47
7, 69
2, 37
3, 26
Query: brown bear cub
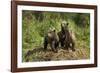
65, 37
52, 39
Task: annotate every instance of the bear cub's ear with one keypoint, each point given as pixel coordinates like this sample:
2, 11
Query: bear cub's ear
54, 30
67, 24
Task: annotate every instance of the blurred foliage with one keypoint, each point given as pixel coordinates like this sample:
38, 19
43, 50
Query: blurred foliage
35, 24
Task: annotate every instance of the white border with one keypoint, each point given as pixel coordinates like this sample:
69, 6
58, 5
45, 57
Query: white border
53, 63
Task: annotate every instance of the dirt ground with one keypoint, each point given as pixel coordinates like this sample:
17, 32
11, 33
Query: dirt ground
39, 55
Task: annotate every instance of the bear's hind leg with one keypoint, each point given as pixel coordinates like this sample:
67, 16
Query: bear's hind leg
45, 44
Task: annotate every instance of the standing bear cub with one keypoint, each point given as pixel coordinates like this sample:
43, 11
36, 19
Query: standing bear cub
52, 39
65, 37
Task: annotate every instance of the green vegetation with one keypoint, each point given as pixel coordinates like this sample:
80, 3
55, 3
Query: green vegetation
36, 24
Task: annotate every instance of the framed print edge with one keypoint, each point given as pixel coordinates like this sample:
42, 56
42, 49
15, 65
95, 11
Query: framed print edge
95, 37
14, 37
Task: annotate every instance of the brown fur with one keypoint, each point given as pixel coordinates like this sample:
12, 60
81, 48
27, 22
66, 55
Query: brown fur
52, 39
65, 37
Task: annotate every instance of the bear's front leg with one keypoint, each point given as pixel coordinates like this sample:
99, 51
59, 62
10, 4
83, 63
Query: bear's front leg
73, 48
53, 46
